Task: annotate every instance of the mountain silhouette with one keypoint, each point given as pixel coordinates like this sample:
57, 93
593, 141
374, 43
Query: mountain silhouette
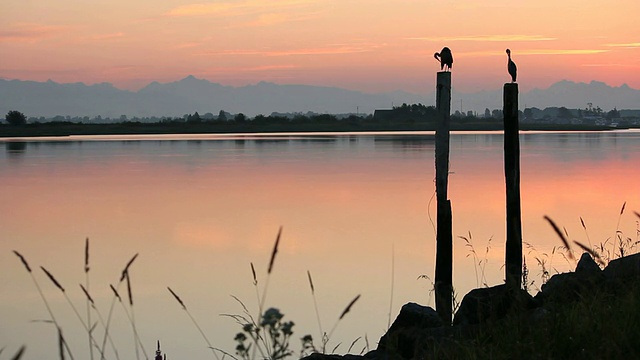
186, 96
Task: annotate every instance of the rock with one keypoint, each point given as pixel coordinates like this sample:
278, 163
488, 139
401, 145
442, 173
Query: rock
587, 265
317, 356
572, 286
408, 330
623, 269
493, 303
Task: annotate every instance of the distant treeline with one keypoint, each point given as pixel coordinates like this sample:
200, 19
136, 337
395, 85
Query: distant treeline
404, 117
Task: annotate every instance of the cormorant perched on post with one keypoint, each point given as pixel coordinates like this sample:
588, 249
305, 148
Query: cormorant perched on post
511, 66
445, 58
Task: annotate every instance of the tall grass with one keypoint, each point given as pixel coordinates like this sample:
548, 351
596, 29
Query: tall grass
64, 349
267, 335
61, 340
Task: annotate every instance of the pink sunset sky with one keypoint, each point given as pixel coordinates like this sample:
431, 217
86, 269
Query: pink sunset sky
371, 46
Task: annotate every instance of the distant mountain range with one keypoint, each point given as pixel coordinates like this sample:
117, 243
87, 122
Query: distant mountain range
48, 99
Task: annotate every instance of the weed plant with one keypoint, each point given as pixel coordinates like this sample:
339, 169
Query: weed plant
267, 335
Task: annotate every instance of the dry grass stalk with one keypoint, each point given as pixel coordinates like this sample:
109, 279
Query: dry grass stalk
24, 261
348, 308
117, 297
86, 255
617, 235
342, 315
90, 301
89, 305
61, 344
177, 298
19, 354
593, 254
561, 235
262, 299
53, 279
126, 268
132, 319
86, 326
315, 306
44, 299
193, 320
275, 251
253, 272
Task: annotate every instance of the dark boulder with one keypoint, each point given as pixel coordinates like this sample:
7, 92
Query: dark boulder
587, 266
623, 269
492, 303
572, 286
409, 330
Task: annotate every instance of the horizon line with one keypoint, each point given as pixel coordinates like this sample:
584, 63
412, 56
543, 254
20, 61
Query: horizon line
299, 84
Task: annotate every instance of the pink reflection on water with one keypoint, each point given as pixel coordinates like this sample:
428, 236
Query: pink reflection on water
200, 211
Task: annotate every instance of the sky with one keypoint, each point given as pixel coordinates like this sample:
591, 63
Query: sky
371, 46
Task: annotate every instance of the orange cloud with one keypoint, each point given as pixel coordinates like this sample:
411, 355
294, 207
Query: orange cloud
334, 49
235, 8
29, 32
252, 68
634, 45
540, 52
488, 38
107, 36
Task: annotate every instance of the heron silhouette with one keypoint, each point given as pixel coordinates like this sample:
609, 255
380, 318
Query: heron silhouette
511, 66
445, 58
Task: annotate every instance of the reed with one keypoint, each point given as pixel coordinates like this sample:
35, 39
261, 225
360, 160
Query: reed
342, 315
86, 283
115, 298
64, 345
18, 355
132, 319
315, 307
479, 264
73, 307
102, 322
184, 307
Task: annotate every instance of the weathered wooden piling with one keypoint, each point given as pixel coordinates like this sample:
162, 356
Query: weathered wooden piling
513, 253
444, 241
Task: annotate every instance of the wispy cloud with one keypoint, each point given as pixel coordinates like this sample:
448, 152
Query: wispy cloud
562, 51
188, 45
269, 67
634, 45
335, 49
270, 19
606, 65
233, 8
486, 38
111, 36
538, 52
29, 32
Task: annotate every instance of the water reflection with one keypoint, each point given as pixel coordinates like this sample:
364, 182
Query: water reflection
15, 148
206, 207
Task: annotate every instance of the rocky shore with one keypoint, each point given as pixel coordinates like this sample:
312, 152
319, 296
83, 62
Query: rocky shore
568, 318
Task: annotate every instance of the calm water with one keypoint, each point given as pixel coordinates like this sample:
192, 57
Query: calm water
357, 211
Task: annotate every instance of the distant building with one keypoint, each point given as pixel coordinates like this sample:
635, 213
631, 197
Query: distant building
383, 115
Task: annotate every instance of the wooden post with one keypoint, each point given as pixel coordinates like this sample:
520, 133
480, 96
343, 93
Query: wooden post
513, 253
444, 241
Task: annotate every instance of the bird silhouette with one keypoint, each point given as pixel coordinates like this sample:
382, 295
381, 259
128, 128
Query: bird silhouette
445, 58
511, 66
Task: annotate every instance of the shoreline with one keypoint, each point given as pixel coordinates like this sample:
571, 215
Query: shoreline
75, 129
